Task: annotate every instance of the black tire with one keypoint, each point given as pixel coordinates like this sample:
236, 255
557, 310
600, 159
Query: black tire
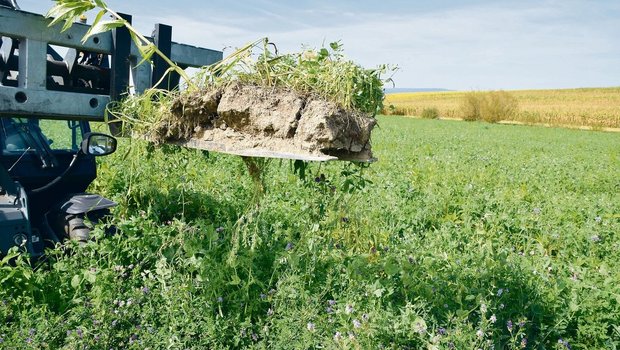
77, 229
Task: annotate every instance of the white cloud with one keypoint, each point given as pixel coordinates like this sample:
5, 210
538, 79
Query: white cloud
505, 45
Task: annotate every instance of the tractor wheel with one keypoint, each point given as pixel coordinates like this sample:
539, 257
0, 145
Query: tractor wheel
77, 229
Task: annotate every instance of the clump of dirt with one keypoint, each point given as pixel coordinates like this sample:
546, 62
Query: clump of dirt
243, 118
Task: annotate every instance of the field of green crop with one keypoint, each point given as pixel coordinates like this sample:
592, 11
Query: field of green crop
462, 236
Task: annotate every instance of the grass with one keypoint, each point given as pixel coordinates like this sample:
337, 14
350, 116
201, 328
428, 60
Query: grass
325, 74
593, 107
463, 235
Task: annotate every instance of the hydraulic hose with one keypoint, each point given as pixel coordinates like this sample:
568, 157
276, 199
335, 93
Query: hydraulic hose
57, 179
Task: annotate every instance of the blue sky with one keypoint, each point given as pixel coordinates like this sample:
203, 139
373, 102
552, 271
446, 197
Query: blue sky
460, 45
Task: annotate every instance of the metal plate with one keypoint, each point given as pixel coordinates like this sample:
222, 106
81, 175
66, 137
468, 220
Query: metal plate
265, 153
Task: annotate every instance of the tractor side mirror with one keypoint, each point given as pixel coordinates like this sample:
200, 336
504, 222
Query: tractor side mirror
96, 144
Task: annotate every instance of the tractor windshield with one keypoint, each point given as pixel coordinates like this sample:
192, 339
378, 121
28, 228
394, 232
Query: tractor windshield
20, 134
40, 137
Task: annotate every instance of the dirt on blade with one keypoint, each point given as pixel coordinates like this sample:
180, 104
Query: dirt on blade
249, 118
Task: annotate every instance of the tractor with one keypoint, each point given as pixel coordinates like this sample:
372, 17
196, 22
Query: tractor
52, 86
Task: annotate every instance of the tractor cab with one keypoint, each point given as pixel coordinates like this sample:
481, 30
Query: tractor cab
47, 166
52, 85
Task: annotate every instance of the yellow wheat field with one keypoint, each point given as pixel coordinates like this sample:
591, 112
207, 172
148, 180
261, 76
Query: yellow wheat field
590, 107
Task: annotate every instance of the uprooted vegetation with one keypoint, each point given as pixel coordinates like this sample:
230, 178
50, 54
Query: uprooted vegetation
313, 103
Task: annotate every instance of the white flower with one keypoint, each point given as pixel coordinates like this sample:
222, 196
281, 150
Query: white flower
493, 319
480, 333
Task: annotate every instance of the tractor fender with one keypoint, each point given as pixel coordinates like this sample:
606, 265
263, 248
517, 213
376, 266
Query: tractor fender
83, 203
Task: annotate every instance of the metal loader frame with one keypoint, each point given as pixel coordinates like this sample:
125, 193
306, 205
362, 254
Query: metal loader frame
34, 93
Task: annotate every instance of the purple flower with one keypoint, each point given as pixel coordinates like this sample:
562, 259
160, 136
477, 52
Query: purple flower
254, 337
537, 211
331, 302
329, 310
68, 333
598, 219
349, 309
219, 229
289, 246
521, 323
337, 336
595, 238
310, 326
145, 290
509, 325
564, 343
270, 312
357, 324
442, 331
263, 296
523, 342
79, 332
28, 340
220, 300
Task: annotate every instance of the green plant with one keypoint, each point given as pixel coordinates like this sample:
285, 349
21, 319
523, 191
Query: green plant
68, 11
430, 113
472, 106
491, 106
499, 105
474, 243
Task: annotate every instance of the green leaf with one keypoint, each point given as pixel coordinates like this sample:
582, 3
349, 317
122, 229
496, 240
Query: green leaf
391, 268
90, 276
101, 4
75, 281
68, 12
235, 281
103, 26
